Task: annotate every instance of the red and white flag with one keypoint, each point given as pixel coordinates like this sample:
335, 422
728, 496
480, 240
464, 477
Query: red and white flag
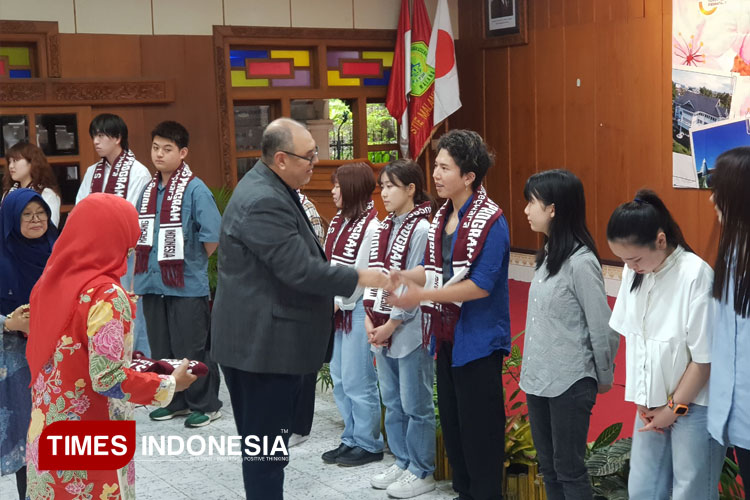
399, 86
442, 57
422, 97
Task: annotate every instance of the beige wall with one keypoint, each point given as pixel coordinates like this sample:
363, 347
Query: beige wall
196, 17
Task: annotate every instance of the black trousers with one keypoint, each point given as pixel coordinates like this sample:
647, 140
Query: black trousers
743, 460
178, 328
304, 409
472, 417
263, 406
559, 426
21, 482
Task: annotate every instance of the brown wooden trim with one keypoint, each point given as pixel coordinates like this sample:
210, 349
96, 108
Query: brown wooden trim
221, 56
48, 46
296, 35
36, 91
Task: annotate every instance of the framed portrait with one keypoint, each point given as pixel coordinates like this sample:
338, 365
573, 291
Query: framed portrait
506, 22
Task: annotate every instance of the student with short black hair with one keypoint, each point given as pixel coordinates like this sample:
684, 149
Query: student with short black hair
117, 172
569, 349
179, 231
729, 394
463, 288
661, 310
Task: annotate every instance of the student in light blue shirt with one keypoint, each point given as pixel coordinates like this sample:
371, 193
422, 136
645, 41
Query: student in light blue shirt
729, 317
179, 231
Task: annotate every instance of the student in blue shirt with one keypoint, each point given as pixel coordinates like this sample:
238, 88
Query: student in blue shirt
179, 231
729, 385
465, 313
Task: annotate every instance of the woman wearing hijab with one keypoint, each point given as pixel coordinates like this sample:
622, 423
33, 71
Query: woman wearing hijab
27, 238
81, 342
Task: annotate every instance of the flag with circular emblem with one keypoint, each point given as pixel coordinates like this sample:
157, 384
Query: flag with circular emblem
422, 82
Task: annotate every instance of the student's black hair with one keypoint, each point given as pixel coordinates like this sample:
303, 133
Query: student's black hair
112, 126
638, 222
567, 229
469, 151
403, 172
172, 131
730, 182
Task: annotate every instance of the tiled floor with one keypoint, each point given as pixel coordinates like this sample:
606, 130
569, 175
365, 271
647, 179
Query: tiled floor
307, 477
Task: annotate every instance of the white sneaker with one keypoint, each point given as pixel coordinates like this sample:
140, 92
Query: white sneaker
409, 485
296, 439
387, 477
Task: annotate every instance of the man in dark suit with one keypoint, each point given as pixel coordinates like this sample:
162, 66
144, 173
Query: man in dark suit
273, 315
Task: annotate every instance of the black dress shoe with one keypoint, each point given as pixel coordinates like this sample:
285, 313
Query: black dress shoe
358, 456
330, 456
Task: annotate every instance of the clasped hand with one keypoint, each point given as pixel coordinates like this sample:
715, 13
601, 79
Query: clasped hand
656, 419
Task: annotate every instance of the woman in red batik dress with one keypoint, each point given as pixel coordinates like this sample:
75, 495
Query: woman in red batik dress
80, 346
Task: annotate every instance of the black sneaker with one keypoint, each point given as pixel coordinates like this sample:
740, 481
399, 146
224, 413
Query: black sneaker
358, 456
330, 456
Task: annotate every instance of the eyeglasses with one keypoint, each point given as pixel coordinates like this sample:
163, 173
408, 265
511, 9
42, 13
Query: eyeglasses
309, 159
40, 216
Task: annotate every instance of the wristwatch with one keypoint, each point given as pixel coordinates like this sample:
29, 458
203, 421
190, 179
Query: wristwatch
678, 409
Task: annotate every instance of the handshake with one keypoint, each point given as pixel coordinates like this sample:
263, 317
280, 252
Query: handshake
409, 295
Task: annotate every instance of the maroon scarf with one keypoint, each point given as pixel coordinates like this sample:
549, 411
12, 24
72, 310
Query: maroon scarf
119, 176
384, 259
171, 252
439, 320
342, 245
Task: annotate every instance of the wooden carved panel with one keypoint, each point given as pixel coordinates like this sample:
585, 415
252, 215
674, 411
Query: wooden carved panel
14, 92
96, 92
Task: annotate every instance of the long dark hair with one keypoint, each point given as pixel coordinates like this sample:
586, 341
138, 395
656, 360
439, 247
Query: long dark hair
731, 184
357, 182
403, 172
638, 222
567, 229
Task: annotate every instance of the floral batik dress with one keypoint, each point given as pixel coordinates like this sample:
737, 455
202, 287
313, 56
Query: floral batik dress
88, 378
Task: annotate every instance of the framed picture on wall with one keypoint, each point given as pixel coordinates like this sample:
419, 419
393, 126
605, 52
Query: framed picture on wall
505, 22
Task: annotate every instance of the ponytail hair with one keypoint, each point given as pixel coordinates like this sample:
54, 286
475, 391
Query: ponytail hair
639, 222
403, 172
730, 182
567, 229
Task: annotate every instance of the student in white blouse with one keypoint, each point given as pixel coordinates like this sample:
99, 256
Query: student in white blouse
27, 167
661, 310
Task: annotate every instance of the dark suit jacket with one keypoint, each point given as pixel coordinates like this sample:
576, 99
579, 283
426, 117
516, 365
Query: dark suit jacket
273, 310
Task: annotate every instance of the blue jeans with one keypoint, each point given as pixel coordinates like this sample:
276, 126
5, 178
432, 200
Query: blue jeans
406, 388
684, 460
140, 336
355, 385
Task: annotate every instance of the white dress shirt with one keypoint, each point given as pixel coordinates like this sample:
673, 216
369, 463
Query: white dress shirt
139, 179
664, 326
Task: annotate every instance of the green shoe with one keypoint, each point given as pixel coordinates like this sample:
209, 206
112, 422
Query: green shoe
165, 414
199, 419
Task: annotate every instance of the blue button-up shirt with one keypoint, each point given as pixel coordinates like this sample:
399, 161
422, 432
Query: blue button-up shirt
484, 324
200, 224
729, 384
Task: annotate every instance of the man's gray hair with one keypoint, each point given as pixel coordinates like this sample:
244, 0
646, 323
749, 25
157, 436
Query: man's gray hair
277, 137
